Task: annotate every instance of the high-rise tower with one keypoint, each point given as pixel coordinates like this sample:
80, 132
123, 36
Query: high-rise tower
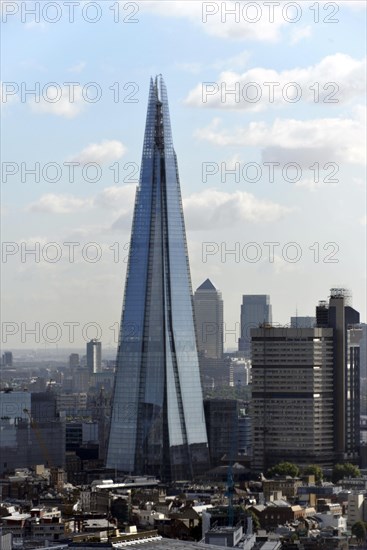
94, 356
344, 320
157, 423
292, 396
255, 311
208, 305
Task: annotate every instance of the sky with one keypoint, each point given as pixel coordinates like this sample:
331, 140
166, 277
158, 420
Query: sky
267, 104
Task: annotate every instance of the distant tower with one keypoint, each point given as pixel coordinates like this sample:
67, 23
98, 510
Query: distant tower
7, 359
303, 322
255, 311
344, 320
157, 424
74, 360
94, 356
208, 305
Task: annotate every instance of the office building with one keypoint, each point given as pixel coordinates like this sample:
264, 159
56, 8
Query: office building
221, 417
157, 424
344, 320
208, 306
303, 322
7, 359
94, 356
32, 432
74, 360
256, 310
292, 396
363, 350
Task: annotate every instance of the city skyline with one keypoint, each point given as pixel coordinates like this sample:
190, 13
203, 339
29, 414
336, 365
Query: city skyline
230, 220
183, 349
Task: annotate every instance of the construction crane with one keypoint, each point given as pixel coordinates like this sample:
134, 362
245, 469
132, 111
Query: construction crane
229, 494
230, 480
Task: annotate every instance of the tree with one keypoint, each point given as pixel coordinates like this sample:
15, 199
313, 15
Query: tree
255, 520
345, 470
314, 470
359, 531
284, 469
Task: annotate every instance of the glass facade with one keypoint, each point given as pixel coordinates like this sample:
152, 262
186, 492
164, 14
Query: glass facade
158, 424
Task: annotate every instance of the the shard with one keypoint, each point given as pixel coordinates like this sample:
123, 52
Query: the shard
157, 422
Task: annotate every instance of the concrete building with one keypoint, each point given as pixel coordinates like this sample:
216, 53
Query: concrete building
208, 308
336, 521
292, 396
71, 403
74, 360
81, 380
94, 356
244, 433
80, 433
355, 508
255, 311
363, 352
221, 417
239, 373
31, 431
303, 322
277, 513
343, 319
7, 359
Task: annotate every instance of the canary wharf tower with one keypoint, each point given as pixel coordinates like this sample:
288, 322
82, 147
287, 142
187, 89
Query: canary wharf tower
157, 424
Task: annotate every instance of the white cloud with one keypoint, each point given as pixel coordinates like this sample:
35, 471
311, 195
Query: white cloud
244, 29
106, 151
69, 105
312, 185
280, 266
298, 34
78, 67
59, 204
363, 221
251, 24
354, 4
335, 79
238, 61
117, 199
216, 209
209, 209
303, 141
35, 25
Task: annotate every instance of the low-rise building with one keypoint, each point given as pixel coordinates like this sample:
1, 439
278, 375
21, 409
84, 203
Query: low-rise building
287, 485
336, 521
355, 508
277, 513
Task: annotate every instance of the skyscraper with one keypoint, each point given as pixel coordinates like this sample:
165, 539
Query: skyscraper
7, 359
292, 396
208, 306
94, 356
344, 320
255, 311
74, 360
157, 423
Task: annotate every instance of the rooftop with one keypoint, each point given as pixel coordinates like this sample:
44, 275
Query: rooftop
207, 285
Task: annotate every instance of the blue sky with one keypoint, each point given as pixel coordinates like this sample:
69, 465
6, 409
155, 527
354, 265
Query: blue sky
170, 38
